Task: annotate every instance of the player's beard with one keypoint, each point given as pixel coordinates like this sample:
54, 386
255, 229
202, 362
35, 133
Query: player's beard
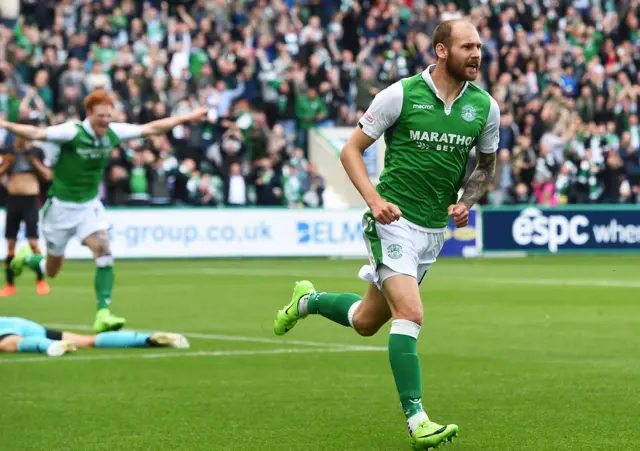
458, 69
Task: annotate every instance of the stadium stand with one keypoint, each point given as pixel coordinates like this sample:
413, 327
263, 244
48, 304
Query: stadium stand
564, 73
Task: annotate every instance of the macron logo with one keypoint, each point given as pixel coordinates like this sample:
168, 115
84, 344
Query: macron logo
422, 107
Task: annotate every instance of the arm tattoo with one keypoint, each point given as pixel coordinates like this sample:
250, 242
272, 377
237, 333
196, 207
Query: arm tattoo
480, 179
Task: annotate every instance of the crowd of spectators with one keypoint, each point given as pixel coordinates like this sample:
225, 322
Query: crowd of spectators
565, 74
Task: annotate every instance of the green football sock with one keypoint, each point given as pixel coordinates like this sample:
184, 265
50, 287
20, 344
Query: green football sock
405, 365
104, 285
333, 306
33, 261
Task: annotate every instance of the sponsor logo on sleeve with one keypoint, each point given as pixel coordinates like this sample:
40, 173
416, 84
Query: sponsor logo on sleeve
367, 118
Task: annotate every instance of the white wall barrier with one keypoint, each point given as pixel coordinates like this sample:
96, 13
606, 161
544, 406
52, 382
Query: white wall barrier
325, 145
252, 232
184, 233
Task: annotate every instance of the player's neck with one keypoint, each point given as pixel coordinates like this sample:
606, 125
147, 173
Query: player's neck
448, 88
95, 132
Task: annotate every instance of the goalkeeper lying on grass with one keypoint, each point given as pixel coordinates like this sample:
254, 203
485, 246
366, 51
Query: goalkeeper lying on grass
22, 335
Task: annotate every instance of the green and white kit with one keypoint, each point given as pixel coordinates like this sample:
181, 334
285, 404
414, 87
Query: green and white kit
427, 151
73, 208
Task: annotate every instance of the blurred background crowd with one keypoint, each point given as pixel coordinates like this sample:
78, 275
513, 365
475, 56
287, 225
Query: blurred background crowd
565, 74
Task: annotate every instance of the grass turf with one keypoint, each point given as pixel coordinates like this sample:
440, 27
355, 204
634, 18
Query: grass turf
530, 354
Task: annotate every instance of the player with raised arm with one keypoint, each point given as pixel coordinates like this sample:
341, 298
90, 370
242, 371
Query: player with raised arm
22, 335
73, 207
430, 122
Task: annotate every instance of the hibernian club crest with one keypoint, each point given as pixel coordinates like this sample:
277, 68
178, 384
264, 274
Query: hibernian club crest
394, 251
468, 113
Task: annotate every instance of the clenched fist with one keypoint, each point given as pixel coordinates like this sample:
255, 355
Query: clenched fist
460, 214
385, 212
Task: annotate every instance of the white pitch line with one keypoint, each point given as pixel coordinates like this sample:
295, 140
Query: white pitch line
568, 283
308, 272
240, 272
170, 355
256, 272
241, 338
282, 272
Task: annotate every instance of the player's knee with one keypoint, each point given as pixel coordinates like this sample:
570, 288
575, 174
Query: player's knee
410, 311
53, 272
53, 266
362, 320
367, 331
103, 250
35, 247
365, 326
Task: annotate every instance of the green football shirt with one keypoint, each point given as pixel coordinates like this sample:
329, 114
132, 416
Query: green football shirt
428, 144
79, 164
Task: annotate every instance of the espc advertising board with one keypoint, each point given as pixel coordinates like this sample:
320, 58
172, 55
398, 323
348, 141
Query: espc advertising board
562, 229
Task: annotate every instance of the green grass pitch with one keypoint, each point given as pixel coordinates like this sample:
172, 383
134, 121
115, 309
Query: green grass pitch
527, 354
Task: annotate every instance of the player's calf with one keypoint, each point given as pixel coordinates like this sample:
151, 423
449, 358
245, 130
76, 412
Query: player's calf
403, 295
9, 288
365, 315
337, 307
35, 248
46, 267
42, 345
52, 265
81, 341
42, 286
130, 339
98, 242
104, 280
11, 251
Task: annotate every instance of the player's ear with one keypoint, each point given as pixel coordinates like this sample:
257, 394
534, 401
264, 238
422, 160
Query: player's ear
441, 51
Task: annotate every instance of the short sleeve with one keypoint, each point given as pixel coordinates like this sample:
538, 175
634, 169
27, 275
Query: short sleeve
490, 137
383, 111
125, 131
61, 133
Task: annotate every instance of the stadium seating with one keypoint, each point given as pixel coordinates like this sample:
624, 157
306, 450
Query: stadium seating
565, 79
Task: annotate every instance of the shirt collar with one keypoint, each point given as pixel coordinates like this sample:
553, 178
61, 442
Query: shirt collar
426, 76
87, 126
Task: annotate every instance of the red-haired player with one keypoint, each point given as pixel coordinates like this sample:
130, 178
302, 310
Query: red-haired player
73, 207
